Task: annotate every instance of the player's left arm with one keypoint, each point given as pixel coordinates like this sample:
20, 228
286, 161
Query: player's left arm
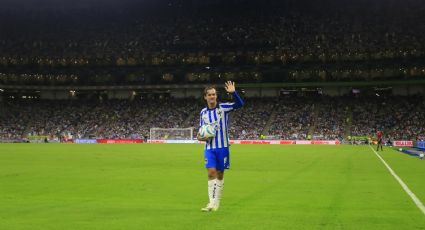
201, 123
230, 88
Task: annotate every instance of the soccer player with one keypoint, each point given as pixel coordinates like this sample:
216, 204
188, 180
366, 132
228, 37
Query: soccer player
216, 151
379, 135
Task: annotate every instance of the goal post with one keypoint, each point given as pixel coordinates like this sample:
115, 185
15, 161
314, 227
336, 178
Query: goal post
171, 133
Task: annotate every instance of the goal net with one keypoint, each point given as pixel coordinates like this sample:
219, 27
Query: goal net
171, 134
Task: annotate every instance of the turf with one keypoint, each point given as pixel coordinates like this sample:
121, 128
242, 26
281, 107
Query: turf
148, 186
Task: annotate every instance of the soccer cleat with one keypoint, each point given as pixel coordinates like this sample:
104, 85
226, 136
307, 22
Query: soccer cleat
210, 207
207, 208
215, 206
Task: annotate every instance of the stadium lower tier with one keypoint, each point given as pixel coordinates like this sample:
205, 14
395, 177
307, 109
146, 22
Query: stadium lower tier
286, 118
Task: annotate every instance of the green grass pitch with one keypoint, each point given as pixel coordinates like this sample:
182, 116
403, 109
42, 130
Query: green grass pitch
148, 186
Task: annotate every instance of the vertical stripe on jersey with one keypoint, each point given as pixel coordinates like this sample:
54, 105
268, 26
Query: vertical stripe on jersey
216, 131
210, 141
226, 121
201, 123
221, 132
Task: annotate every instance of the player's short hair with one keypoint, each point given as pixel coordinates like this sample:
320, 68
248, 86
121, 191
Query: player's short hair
209, 87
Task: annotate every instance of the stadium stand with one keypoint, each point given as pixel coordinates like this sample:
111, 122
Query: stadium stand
280, 44
399, 117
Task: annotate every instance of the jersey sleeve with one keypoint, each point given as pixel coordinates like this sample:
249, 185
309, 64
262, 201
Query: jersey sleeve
201, 122
227, 107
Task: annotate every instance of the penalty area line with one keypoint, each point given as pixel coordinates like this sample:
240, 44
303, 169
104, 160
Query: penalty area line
409, 192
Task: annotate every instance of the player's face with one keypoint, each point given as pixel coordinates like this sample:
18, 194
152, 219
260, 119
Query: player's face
211, 97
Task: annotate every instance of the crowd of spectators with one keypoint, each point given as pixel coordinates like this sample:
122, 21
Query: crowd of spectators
282, 35
400, 117
331, 121
173, 113
411, 122
290, 44
118, 76
286, 117
294, 117
249, 122
56, 119
279, 43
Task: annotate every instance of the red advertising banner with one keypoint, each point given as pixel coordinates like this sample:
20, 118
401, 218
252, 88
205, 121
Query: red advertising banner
255, 142
250, 142
302, 142
286, 142
403, 143
320, 142
156, 141
119, 141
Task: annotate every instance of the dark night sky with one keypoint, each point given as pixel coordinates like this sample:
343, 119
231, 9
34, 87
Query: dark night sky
85, 3
160, 4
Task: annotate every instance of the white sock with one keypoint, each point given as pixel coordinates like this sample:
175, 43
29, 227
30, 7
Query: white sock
220, 186
212, 190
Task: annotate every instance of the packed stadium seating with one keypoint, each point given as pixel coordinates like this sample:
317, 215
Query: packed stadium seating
324, 118
298, 35
293, 43
303, 45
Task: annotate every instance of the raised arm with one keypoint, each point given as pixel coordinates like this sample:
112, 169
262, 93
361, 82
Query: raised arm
230, 88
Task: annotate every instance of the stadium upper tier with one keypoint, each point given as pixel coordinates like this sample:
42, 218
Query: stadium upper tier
210, 35
286, 117
117, 76
272, 42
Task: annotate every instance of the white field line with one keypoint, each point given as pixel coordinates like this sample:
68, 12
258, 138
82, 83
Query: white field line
409, 192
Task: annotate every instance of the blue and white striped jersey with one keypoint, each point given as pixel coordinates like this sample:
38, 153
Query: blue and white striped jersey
219, 117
